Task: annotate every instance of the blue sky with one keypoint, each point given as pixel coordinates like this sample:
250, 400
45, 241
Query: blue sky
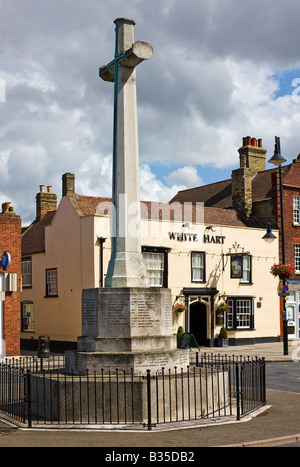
220, 71
289, 81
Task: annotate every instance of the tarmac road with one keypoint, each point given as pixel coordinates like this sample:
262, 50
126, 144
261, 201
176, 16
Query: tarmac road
283, 376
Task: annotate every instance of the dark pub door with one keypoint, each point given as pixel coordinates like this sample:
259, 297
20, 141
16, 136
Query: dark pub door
198, 322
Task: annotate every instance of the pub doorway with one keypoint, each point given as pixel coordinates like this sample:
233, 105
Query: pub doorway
198, 322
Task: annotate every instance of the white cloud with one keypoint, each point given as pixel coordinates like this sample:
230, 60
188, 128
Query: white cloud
4, 159
33, 78
213, 80
186, 176
153, 189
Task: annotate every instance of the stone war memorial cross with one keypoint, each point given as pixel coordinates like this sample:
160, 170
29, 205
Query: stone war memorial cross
126, 324
126, 268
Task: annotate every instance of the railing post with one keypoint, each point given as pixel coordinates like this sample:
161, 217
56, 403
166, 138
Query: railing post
148, 388
263, 380
28, 398
237, 390
149, 400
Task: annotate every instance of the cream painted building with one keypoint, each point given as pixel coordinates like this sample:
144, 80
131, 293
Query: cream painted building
201, 254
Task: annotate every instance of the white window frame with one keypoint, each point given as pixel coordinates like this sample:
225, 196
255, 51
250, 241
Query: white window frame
296, 210
26, 272
198, 266
297, 256
154, 263
243, 312
247, 273
51, 283
27, 326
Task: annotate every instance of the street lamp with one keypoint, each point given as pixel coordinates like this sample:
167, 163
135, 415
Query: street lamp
269, 237
278, 160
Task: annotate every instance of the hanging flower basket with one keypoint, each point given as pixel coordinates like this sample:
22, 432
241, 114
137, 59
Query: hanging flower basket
223, 306
220, 312
179, 307
283, 271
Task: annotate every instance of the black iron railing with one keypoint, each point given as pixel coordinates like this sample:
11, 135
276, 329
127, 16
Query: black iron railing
43, 393
34, 363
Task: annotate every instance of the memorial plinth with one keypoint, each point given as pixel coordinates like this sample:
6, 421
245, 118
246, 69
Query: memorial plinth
126, 328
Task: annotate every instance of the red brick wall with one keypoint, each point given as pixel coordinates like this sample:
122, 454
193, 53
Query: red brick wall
291, 187
291, 232
10, 240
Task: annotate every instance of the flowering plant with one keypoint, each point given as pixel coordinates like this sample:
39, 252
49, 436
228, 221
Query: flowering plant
178, 306
223, 306
283, 270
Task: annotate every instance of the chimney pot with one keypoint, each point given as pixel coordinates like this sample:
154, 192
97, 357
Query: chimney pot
49, 189
5, 207
248, 140
259, 143
42, 188
253, 142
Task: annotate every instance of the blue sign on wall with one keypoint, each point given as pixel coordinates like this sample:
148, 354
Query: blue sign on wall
5, 261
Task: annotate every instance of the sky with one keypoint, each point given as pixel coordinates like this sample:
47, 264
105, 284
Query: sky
221, 70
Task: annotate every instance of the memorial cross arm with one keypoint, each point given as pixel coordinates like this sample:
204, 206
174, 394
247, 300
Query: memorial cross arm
139, 52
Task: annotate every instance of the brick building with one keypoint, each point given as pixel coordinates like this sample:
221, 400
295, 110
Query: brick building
10, 281
254, 192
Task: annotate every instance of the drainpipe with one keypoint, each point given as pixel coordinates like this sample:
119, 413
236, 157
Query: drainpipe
101, 241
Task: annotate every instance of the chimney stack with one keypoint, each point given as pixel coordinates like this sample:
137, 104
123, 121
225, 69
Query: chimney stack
68, 184
252, 160
45, 201
242, 191
252, 155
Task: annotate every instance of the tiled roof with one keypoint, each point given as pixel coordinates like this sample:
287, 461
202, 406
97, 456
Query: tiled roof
219, 194
215, 194
189, 213
86, 205
33, 238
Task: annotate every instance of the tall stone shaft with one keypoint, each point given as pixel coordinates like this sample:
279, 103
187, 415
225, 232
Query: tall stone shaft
126, 267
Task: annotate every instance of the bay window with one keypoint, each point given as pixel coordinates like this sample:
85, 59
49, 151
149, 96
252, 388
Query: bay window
240, 314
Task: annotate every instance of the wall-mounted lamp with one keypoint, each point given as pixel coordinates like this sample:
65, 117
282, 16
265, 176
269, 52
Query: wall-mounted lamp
223, 296
269, 237
180, 296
